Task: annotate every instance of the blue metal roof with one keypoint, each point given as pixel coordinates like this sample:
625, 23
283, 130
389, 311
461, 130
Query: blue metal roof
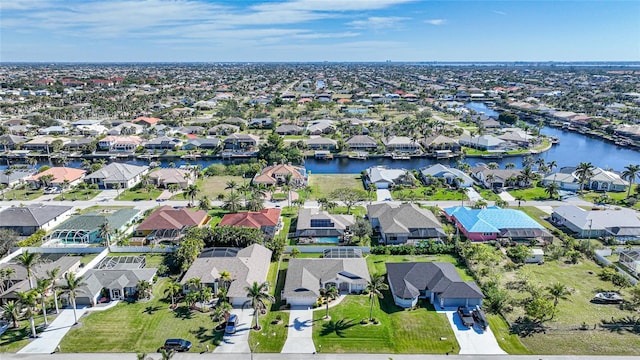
492, 219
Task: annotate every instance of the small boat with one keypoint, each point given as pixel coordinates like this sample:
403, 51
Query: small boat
359, 156
608, 297
400, 157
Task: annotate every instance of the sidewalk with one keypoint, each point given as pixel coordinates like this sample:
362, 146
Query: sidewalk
49, 339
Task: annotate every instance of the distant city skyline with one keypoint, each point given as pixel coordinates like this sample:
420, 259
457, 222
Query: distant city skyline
318, 30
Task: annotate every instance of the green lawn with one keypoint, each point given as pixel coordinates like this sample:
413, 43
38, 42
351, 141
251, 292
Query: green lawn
537, 215
564, 338
139, 194
15, 339
152, 260
428, 194
24, 193
212, 186
487, 194
77, 194
529, 194
508, 341
356, 211
616, 197
141, 327
324, 184
399, 331
98, 208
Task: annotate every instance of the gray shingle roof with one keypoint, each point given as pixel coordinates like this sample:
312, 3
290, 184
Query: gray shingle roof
405, 218
407, 279
305, 275
31, 215
118, 171
93, 220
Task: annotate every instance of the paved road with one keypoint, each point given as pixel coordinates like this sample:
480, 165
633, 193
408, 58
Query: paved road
300, 332
278, 356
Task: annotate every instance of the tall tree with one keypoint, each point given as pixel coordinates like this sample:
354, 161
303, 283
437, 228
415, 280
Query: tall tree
375, 288
191, 192
329, 293
41, 289
558, 291
552, 190
584, 172
172, 290
232, 202
28, 299
12, 311
73, 288
258, 295
29, 261
349, 197
630, 173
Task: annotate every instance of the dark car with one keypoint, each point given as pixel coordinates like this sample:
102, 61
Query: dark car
466, 315
177, 345
231, 324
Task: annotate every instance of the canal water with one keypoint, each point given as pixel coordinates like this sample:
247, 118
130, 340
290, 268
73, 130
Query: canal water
573, 149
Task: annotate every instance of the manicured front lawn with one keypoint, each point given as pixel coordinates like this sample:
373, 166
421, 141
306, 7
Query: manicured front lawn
77, 194
508, 341
428, 194
529, 194
141, 327
212, 186
272, 336
24, 193
324, 184
399, 331
15, 339
614, 197
139, 194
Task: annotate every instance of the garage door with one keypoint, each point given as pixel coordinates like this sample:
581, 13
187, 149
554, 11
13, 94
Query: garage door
301, 301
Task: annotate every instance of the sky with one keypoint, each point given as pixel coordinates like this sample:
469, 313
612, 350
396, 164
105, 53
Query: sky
318, 30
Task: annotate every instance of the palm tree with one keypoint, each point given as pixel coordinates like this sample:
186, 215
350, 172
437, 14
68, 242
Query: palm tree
584, 171
526, 175
28, 299
12, 312
225, 278
144, 289
375, 288
166, 354
105, 232
173, 289
231, 185
232, 202
463, 192
552, 165
329, 294
72, 288
205, 203
558, 291
519, 199
191, 192
552, 190
258, 296
510, 166
630, 173
28, 261
41, 290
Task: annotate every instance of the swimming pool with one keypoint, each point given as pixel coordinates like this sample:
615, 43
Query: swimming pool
327, 240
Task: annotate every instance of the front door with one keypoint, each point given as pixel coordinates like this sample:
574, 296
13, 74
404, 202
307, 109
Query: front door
115, 293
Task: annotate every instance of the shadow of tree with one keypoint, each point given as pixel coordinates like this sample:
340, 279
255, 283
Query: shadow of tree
183, 312
207, 336
151, 309
386, 303
13, 335
524, 327
338, 327
628, 323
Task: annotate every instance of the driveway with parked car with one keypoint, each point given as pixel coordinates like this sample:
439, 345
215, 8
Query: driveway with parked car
472, 340
237, 341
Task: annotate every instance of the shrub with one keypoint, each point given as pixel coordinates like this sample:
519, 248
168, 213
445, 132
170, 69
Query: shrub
33, 239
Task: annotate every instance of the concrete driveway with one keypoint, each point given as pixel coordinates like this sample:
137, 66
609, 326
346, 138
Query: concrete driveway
473, 195
238, 342
49, 339
300, 332
383, 195
472, 340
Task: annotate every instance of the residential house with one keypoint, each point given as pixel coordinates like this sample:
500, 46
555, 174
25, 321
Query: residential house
245, 266
146, 121
631, 259
86, 228
401, 144
620, 224
117, 277
483, 142
169, 224
163, 143
321, 143
385, 178
44, 143
15, 177
280, 174
267, 220
497, 178
289, 129
601, 180
241, 143
117, 175
305, 277
19, 281
261, 123
439, 282
236, 121
202, 144
452, 176
61, 176
80, 144
494, 223
169, 176
26, 220
405, 223
318, 226
319, 127
362, 143
126, 128
117, 143
440, 146
11, 142
224, 129
53, 130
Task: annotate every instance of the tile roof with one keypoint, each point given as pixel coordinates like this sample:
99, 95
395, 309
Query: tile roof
167, 217
252, 219
60, 174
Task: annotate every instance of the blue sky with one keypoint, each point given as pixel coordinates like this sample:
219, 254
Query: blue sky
318, 30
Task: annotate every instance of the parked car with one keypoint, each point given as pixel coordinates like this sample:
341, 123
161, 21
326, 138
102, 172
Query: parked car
480, 318
177, 345
231, 324
466, 315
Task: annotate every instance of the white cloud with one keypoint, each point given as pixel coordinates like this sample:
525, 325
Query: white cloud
330, 5
378, 22
436, 21
499, 12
